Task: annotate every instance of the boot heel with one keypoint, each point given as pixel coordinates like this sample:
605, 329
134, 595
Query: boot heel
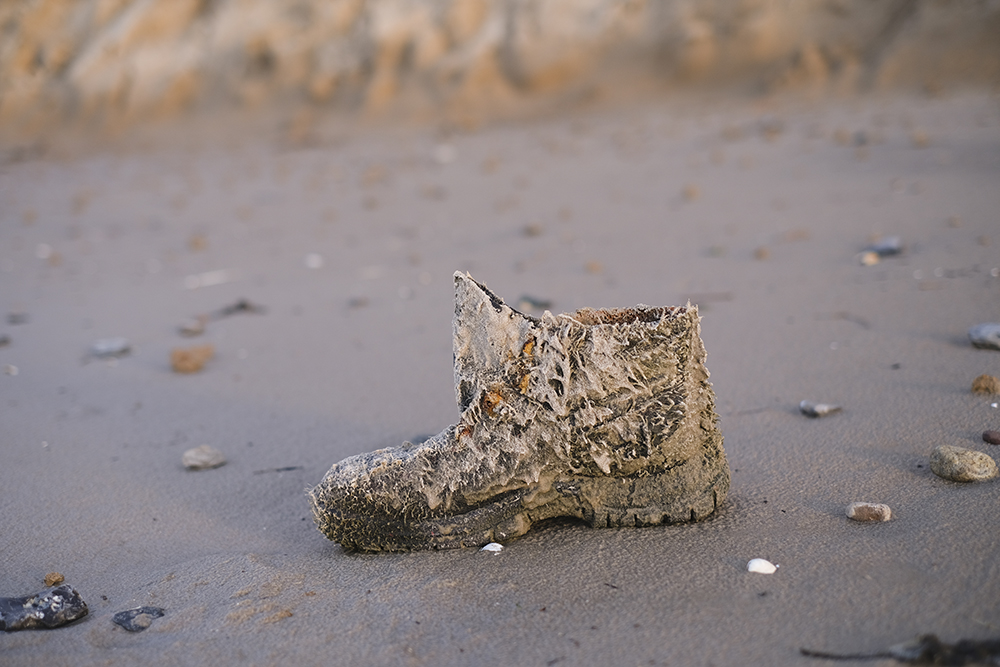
677, 495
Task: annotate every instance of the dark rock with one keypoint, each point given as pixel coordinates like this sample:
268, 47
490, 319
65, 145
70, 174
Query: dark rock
50, 608
138, 619
810, 409
992, 437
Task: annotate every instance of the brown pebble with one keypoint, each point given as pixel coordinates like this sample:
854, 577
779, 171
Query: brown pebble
691, 192
869, 512
54, 579
986, 384
761, 253
190, 359
868, 258
992, 437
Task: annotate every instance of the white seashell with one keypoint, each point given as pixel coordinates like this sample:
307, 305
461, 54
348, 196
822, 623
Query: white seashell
494, 547
761, 566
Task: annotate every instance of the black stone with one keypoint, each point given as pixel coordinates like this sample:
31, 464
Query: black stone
127, 618
50, 608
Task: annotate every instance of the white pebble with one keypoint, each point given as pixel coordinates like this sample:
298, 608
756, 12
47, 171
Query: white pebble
10, 369
761, 566
493, 547
107, 348
314, 260
869, 512
203, 458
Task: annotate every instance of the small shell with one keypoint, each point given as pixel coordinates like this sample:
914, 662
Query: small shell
810, 409
985, 335
493, 547
761, 566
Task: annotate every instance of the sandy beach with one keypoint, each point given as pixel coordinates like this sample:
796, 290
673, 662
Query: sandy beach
347, 238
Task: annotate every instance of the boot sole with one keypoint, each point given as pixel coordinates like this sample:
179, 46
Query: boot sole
688, 492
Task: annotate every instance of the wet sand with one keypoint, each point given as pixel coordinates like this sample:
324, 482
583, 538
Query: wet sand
754, 211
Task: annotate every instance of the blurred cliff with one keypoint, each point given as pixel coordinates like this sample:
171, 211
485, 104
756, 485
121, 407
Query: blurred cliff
128, 60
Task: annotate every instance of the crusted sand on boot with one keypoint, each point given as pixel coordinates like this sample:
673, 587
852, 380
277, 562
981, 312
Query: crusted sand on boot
604, 415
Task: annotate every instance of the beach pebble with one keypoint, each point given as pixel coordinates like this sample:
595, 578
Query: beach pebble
190, 359
992, 437
986, 384
54, 579
986, 335
203, 458
192, 327
493, 547
138, 619
761, 566
887, 247
810, 409
962, 465
868, 258
109, 348
869, 512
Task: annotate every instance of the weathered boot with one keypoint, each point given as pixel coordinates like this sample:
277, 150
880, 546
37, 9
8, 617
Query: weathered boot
604, 415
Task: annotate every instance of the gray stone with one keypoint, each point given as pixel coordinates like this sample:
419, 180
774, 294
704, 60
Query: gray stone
985, 335
603, 415
962, 465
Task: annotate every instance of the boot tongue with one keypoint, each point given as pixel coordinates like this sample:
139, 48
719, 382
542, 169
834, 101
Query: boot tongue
488, 335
